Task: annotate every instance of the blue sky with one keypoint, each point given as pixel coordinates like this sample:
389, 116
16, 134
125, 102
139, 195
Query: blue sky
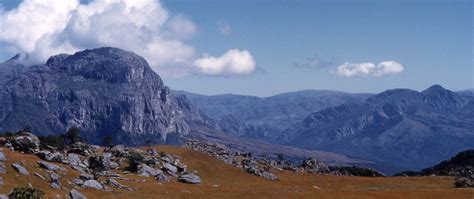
432, 40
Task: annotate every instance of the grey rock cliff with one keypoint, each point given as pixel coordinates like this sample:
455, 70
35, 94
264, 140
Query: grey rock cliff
104, 91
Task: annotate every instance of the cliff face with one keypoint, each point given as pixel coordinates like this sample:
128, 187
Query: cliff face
104, 92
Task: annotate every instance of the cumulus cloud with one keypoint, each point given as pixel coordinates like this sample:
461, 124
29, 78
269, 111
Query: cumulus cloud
233, 61
41, 29
224, 28
369, 69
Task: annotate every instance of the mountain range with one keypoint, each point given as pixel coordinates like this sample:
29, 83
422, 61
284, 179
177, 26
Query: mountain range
111, 92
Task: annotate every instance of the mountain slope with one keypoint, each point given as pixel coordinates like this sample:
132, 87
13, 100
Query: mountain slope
104, 91
264, 118
399, 129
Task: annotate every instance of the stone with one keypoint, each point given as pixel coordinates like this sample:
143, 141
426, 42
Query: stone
92, 184
463, 182
26, 142
2, 196
3, 169
74, 159
169, 168
162, 177
55, 185
118, 151
2, 156
39, 176
86, 176
54, 178
190, 178
74, 194
49, 166
55, 157
114, 183
1, 181
145, 170
20, 169
78, 181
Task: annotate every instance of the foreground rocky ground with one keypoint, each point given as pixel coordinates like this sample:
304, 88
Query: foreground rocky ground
106, 173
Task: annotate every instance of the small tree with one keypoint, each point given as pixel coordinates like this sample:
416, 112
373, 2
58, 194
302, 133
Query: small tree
73, 135
56, 141
108, 141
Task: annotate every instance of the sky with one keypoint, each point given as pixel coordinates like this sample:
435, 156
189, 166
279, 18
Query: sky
260, 47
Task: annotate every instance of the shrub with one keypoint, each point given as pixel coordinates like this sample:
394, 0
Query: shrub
56, 141
73, 135
26, 193
134, 159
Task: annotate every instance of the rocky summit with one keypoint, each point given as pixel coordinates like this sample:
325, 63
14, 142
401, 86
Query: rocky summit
104, 92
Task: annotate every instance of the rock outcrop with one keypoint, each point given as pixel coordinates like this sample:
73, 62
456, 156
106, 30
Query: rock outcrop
104, 92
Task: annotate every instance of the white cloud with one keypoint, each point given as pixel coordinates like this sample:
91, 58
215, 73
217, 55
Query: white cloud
224, 28
42, 28
369, 69
233, 61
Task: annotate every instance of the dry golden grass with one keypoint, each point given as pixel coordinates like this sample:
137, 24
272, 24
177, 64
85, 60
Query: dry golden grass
224, 181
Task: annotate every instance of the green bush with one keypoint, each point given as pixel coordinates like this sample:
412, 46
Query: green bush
26, 193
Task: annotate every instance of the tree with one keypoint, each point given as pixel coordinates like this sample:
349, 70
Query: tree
73, 135
108, 141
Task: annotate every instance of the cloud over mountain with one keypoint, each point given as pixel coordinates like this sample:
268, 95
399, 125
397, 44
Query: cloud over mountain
41, 29
369, 69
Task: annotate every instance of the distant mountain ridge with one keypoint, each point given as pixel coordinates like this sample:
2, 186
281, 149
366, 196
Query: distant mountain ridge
398, 128
264, 118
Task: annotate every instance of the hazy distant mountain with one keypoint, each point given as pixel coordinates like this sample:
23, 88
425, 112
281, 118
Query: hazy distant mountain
400, 129
266, 117
469, 92
105, 91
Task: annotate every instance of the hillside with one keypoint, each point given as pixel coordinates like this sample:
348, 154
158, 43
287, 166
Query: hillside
222, 180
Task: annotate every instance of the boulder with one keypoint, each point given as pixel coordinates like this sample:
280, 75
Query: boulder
145, 170
463, 182
162, 177
26, 142
78, 181
74, 159
190, 178
118, 151
20, 169
2, 156
3, 169
40, 176
312, 165
55, 185
74, 194
86, 176
169, 168
48, 166
82, 149
92, 184
55, 157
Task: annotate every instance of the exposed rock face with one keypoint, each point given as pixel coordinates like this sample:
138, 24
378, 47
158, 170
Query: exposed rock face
26, 142
105, 91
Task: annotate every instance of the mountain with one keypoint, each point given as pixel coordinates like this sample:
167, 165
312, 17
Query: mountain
469, 92
399, 129
264, 118
104, 92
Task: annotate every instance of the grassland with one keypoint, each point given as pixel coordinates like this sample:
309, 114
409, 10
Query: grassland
224, 181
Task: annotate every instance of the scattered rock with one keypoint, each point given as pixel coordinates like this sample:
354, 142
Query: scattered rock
2, 156
55, 185
170, 168
26, 142
189, 178
162, 177
92, 184
3, 169
86, 176
1, 181
39, 176
312, 165
145, 170
74, 194
49, 166
114, 183
463, 182
74, 159
54, 177
20, 169
78, 182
